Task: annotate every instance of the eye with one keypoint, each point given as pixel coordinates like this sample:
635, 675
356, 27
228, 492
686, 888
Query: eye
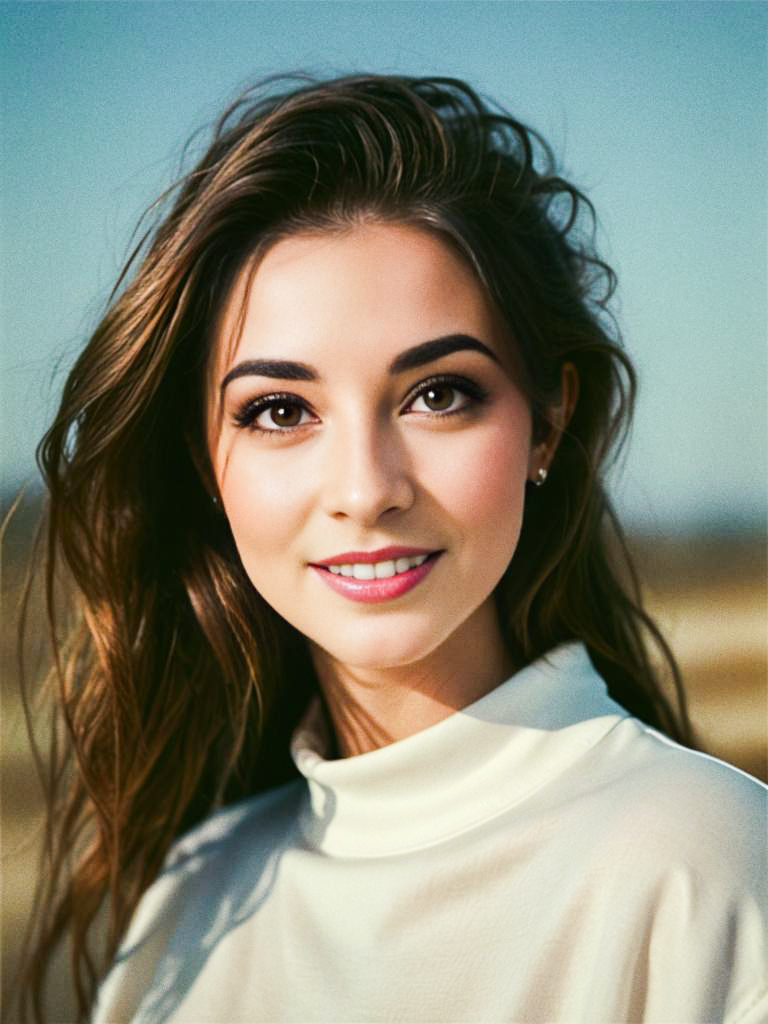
443, 396
273, 414
438, 397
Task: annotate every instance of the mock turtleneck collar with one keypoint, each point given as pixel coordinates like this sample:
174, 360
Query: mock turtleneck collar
460, 772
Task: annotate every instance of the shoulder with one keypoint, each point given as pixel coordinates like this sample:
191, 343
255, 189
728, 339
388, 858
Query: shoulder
231, 850
681, 842
681, 859
228, 863
672, 803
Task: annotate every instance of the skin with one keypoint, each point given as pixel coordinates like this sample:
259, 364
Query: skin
369, 465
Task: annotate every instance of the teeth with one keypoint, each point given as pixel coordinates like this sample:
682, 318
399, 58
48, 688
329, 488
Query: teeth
378, 570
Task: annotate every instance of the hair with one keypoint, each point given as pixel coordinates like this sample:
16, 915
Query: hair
178, 685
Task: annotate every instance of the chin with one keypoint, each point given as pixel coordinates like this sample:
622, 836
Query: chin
377, 646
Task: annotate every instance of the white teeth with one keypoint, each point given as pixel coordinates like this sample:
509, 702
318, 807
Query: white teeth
378, 570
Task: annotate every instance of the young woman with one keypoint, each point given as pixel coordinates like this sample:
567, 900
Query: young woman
365, 722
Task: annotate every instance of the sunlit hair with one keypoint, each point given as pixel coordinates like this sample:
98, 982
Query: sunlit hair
179, 686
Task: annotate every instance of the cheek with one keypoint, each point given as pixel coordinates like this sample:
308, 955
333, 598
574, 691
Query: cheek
263, 507
495, 481
483, 483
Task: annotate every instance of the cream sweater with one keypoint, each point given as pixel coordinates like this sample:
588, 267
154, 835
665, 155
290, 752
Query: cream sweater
539, 856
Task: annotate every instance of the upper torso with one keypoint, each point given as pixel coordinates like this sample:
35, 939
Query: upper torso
539, 856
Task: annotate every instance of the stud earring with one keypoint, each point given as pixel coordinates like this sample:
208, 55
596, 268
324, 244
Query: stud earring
541, 476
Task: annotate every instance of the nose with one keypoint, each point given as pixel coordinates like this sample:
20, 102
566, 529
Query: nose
366, 474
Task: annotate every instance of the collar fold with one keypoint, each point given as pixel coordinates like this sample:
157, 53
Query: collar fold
460, 772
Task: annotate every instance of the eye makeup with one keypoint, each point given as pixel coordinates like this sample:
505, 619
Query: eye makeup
282, 403
474, 392
286, 406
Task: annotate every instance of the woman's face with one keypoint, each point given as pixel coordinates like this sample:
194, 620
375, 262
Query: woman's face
364, 411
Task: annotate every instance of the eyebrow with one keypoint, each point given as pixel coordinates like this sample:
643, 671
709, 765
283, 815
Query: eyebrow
410, 359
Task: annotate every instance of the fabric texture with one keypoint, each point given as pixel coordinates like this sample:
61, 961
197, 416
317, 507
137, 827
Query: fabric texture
539, 856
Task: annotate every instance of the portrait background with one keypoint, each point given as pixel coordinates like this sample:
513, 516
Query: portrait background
656, 110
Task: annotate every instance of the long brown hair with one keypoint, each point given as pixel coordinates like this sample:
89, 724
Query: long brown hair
178, 685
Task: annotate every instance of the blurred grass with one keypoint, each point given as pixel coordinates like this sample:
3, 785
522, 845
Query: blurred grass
707, 593
710, 597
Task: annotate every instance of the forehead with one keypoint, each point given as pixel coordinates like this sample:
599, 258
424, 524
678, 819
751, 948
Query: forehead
371, 290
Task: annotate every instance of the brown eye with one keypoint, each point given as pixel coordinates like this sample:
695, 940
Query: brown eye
444, 396
273, 414
439, 397
285, 414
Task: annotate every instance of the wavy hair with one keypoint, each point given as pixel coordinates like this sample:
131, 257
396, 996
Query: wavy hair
178, 685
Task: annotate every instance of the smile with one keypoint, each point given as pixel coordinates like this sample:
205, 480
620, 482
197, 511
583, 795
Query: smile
377, 581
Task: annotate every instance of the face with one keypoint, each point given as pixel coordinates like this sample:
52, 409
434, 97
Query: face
369, 440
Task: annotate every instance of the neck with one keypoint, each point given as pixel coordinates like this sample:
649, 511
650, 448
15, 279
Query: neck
373, 707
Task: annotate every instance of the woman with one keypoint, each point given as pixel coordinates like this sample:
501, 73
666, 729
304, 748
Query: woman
365, 720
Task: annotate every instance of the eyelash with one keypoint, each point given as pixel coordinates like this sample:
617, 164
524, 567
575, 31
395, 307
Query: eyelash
249, 413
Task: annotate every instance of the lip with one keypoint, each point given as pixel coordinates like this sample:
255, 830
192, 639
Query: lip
373, 591
369, 557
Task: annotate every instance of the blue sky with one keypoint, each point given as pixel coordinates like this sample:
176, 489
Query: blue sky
658, 110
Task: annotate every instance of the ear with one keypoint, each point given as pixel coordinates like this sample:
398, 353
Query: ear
558, 416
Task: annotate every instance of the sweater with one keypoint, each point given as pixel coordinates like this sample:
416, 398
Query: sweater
539, 856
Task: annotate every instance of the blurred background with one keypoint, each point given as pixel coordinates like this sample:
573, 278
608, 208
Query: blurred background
657, 110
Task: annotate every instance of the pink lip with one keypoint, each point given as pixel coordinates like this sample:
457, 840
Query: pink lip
368, 557
370, 591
